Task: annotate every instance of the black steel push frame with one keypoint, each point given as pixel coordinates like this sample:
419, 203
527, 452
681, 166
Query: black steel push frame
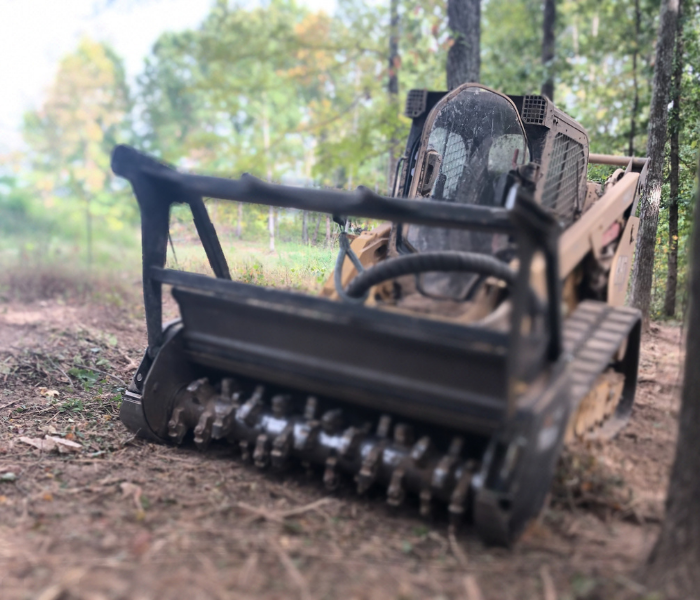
157, 187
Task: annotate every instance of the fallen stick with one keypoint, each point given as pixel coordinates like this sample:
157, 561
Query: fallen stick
550, 592
279, 517
460, 555
306, 508
294, 573
260, 513
472, 589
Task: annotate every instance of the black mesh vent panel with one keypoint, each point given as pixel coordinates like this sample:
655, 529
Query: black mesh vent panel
562, 185
416, 101
534, 110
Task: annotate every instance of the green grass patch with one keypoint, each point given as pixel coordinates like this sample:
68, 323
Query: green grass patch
292, 266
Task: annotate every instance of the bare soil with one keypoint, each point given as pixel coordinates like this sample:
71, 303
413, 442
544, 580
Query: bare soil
120, 518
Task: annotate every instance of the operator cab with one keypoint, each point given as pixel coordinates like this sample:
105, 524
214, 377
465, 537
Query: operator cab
471, 140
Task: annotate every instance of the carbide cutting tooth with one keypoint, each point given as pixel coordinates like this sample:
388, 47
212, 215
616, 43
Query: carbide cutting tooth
224, 415
176, 426
310, 408
194, 385
332, 421
349, 441
370, 468
330, 475
261, 455
307, 436
384, 426
282, 447
458, 500
420, 450
442, 473
249, 412
396, 493
281, 405
202, 432
426, 503
201, 389
244, 445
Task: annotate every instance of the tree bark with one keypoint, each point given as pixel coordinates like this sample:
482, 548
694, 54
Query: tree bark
393, 87
674, 176
635, 81
651, 197
463, 57
304, 227
328, 231
548, 46
673, 564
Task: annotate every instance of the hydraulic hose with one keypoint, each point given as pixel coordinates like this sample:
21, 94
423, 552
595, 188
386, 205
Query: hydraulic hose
425, 262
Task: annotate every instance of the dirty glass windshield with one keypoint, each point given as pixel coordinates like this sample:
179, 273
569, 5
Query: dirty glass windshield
479, 139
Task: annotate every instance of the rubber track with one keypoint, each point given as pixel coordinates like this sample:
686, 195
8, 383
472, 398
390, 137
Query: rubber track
592, 335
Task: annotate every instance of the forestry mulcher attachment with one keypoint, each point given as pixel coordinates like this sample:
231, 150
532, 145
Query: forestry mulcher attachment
455, 348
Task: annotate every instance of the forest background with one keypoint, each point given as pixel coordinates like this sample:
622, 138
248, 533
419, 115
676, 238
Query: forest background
303, 97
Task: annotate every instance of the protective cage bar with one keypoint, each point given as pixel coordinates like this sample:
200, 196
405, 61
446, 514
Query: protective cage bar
158, 186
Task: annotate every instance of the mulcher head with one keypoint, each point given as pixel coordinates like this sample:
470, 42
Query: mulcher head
418, 405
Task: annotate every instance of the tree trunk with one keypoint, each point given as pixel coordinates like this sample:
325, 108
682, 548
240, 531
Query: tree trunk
393, 87
674, 131
328, 231
239, 222
304, 227
271, 228
548, 46
635, 81
318, 224
463, 57
394, 49
672, 276
651, 197
673, 563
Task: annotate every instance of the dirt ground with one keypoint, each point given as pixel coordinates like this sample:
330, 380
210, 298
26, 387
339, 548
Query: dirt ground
113, 517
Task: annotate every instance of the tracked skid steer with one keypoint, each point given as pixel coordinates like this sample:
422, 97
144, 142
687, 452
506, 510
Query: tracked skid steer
456, 347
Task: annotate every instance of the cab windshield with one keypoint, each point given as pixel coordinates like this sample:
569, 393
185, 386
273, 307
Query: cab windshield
478, 138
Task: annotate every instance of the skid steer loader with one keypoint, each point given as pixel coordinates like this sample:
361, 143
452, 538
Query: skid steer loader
455, 348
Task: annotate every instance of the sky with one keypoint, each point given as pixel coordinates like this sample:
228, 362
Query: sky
36, 34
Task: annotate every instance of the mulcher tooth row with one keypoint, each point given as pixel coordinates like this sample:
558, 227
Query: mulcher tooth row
270, 434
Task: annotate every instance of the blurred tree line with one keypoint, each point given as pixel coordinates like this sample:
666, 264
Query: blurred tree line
289, 94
